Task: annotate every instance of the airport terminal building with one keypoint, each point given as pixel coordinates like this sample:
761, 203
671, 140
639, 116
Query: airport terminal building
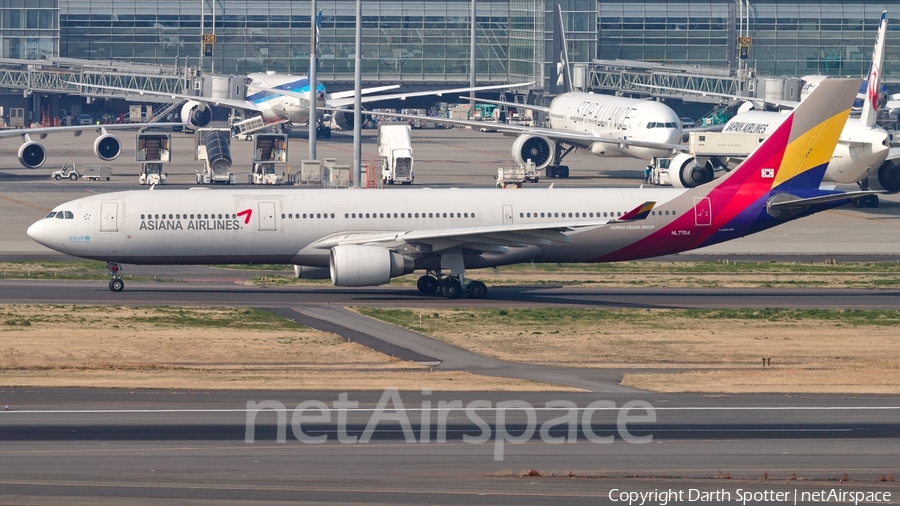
427, 41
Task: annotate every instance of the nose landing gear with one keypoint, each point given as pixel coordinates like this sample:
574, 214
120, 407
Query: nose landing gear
115, 270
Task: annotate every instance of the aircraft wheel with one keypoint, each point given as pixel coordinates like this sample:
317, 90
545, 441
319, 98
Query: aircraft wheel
564, 171
476, 290
116, 285
451, 289
427, 284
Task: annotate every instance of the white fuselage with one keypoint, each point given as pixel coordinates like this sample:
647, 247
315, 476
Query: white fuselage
212, 226
277, 108
617, 117
859, 153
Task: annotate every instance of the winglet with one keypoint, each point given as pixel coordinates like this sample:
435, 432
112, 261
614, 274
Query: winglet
638, 213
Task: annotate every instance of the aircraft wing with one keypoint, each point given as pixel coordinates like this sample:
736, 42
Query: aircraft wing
245, 105
338, 100
493, 238
79, 129
350, 93
756, 101
509, 104
581, 139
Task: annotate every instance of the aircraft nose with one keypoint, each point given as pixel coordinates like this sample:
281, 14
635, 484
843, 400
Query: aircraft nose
36, 231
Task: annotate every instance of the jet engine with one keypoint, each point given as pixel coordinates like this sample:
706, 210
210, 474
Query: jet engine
107, 147
32, 154
344, 119
536, 148
353, 265
888, 176
684, 172
310, 272
195, 113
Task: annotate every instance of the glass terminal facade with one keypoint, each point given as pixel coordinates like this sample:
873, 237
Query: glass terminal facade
427, 41
790, 38
29, 29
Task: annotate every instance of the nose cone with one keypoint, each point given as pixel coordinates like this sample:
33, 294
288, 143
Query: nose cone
36, 231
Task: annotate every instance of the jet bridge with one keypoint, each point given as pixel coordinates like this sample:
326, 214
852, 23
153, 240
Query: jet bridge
646, 79
54, 75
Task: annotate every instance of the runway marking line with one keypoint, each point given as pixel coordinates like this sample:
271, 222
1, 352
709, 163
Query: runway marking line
296, 489
14, 201
536, 408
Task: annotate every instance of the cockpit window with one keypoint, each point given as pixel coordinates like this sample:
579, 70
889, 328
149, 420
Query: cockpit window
52, 214
671, 125
69, 215
60, 215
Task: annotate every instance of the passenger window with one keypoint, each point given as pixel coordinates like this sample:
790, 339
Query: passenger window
466, 215
592, 215
332, 215
431, 215
417, 215
51, 215
445, 215
318, 215
282, 216
220, 216
346, 215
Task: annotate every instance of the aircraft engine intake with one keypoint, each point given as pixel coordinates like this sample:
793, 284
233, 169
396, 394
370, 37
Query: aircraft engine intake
685, 173
107, 147
889, 176
536, 148
196, 114
310, 272
353, 265
344, 120
32, 155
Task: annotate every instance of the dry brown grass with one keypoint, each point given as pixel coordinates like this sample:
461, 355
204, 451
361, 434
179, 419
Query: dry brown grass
44, 346
721, 355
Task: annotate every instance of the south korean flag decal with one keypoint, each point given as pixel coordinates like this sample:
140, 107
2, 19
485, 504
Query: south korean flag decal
768, 173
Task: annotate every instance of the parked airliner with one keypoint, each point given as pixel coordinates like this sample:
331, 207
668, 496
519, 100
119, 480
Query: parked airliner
605, 125
368, 237
283, 99
863, 149
32, 154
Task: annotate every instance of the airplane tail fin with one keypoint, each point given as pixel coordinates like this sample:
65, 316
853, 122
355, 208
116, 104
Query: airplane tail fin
870, 106
318, 31
796, 155
562, 81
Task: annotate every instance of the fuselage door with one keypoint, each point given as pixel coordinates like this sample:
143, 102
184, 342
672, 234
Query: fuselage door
507, 214
267, 216
109, 217
702, 212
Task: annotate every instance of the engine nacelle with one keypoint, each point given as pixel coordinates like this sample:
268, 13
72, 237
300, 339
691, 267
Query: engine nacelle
309, 272
889, 176
353, 265
343, 119
196, 114
32, 155
107, 147
685, 173
536, 148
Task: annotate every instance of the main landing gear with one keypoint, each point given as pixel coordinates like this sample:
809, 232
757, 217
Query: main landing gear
115, 270
450, 286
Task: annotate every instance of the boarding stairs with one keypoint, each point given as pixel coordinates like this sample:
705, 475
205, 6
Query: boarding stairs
160, 117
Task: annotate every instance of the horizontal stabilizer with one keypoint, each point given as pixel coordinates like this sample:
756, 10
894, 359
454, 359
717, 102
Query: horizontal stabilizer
638, 213
784, 202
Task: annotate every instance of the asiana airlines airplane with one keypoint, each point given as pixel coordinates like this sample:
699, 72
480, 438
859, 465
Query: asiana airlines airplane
365, 238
